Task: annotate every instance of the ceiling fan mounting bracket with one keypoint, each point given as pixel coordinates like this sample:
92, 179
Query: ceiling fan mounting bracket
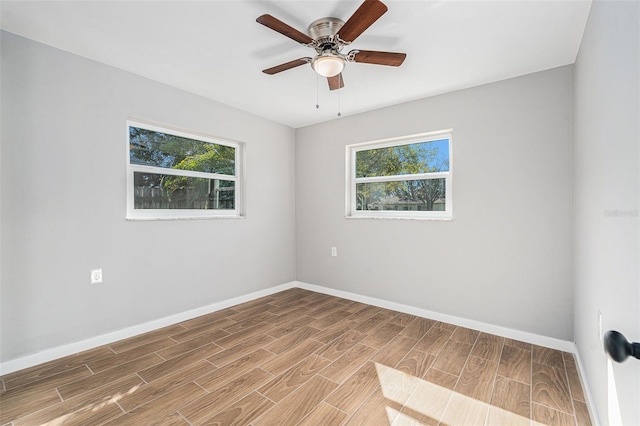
324, 33
324, 27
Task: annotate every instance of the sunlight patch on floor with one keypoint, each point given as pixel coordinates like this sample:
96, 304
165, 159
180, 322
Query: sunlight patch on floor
92, 407
437, 402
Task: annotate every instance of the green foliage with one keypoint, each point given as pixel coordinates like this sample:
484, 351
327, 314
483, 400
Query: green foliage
378, 162
400, 160
152, 148
216, 159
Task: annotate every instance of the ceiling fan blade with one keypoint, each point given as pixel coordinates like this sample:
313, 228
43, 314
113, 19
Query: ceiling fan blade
393, 59
286, 66
284, 29
367, 14
336, 82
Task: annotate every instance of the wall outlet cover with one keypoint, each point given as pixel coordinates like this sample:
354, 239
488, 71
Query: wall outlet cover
96, 276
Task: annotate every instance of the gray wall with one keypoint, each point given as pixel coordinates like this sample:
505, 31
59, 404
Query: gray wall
607, 190
63, 204
506, 257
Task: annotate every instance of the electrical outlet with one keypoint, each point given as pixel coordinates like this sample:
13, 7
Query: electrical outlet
334, 251
96, 276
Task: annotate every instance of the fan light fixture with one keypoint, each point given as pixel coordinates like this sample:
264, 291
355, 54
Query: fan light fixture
328, 36
328, 64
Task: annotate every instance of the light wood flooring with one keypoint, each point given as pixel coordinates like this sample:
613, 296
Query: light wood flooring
302, 358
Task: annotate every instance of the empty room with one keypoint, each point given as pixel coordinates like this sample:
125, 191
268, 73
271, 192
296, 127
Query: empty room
320, 212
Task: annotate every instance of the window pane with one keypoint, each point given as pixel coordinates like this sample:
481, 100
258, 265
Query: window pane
422, 157
406, 195
158, 191
151, 148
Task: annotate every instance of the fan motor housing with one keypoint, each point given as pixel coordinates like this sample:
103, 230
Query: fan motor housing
323, 31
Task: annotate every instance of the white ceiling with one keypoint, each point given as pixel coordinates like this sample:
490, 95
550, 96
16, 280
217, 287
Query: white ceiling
217, 50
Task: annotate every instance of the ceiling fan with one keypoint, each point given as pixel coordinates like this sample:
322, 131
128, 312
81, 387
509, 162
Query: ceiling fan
328, 36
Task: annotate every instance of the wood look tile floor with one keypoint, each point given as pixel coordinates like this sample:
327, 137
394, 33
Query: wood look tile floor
302, 358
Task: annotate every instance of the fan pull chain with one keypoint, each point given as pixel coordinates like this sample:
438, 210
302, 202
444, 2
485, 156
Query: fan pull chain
317, 102
339, 113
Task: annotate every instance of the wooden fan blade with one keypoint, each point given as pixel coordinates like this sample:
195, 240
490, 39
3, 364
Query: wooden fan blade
367, 14
284, 29
393, 59
286, 66
336, 82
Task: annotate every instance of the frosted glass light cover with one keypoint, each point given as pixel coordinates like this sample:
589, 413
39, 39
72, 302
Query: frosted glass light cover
328, 66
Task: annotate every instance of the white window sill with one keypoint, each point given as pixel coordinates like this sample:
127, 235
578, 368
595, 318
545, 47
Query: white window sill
446, 219
135, 219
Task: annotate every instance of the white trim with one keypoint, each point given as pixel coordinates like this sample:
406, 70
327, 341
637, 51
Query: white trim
73, 348
183, 133
351, 181
403, 140
104, 339
586, 390
523, 336
180, 172
400, 178
401, 214
443, 218
134, 214
138, 219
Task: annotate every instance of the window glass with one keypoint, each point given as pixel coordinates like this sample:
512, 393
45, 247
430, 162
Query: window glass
176, 175
157, 191
423, 157
408, 177
411, 195
152, 148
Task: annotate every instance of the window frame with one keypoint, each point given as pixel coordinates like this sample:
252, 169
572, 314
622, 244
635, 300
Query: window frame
180, 214
351, 211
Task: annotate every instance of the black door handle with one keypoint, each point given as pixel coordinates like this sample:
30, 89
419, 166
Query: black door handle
618, 347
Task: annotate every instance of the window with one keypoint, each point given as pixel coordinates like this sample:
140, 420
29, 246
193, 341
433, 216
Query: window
175, 175
407, 177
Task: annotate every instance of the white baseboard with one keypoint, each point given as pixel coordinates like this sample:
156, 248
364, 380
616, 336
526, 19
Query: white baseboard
105, 339
73, 348
523, 336
549, 342
593, 413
